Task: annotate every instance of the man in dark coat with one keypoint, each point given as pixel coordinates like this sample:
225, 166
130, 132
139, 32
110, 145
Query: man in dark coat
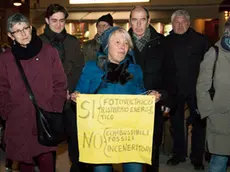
185, 49
149, 54
73, 61
91, 47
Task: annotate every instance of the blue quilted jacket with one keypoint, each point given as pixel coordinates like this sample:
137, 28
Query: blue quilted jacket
91, 81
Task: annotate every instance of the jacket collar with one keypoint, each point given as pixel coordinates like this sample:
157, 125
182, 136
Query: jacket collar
182, 35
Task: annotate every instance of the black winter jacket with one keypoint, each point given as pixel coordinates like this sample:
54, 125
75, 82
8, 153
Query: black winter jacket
73, 61
183, 55
151, 60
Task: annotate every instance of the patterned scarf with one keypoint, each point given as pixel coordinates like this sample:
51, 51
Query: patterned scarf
141, 42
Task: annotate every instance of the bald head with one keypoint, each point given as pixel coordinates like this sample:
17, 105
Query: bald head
139, 20
139, 9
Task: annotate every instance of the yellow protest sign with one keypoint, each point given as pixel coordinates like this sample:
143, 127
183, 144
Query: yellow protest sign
115, 128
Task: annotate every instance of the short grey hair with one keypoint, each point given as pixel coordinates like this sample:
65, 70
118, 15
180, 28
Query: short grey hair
180, 13
14, 19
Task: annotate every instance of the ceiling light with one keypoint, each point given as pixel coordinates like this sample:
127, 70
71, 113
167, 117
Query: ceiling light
104, 1
17, 3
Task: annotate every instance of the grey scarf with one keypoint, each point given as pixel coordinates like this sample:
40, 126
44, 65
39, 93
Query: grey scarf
141, 42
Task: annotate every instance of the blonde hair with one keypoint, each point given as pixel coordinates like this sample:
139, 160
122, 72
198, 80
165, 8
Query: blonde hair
126, 36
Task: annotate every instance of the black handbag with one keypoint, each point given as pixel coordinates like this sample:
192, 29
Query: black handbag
2, 132
50, 125
212, 89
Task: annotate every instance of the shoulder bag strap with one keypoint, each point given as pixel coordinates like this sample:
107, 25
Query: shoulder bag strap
23, 76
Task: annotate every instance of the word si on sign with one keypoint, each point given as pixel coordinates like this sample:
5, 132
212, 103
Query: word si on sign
115, 128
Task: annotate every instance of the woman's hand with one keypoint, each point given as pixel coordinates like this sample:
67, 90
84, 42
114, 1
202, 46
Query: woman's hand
156, 94
74, 96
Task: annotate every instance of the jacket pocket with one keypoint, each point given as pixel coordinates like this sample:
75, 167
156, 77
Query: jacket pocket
219, 124
221, 103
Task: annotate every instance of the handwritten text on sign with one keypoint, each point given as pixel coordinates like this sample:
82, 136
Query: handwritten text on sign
115, 128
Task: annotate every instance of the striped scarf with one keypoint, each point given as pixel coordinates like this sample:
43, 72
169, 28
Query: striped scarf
141, 42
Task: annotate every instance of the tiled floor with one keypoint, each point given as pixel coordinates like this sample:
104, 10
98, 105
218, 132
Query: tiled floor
63, 163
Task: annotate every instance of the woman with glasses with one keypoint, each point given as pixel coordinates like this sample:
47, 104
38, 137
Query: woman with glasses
45, 74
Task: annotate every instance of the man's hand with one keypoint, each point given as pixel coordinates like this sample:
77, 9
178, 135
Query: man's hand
156, 94
74, 96
165, 111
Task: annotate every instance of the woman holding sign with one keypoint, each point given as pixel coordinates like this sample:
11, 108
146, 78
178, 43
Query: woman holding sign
115, 72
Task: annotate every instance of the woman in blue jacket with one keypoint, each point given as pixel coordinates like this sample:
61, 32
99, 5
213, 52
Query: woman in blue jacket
115, 72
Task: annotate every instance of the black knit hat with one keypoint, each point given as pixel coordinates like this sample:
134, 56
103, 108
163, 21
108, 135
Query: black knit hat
106, 18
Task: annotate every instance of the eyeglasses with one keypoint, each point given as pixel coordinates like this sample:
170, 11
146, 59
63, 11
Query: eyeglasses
17, 32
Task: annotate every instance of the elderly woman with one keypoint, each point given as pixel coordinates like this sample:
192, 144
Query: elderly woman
43, 69
115, 72
215, 70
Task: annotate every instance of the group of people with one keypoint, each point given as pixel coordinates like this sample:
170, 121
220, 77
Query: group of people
116, 62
